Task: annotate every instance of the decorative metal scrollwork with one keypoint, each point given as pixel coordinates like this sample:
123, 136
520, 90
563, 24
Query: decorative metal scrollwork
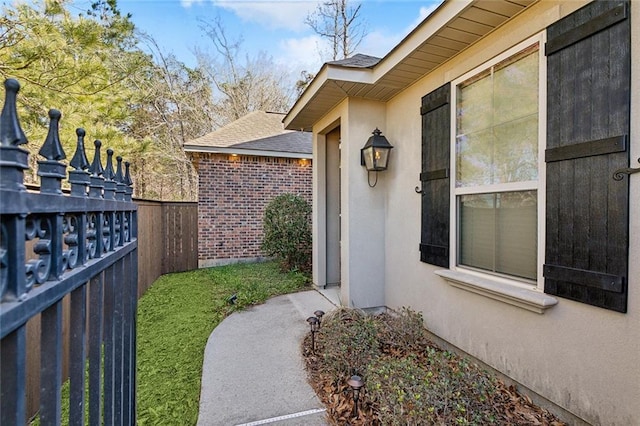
70, 230
38, 269
619, 174
106, 233
127, 220
91, 237
116, 229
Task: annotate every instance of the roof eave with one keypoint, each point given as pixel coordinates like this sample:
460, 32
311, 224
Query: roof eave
328, 72
251, 152
385, 80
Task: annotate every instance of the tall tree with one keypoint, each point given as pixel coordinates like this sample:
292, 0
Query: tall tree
242, 86
144, 105
338, 21
76, 64
176, 108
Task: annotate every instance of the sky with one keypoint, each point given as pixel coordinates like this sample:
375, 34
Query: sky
275, 27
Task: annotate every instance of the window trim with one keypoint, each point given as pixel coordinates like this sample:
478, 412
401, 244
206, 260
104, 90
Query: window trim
524, 298
493, 283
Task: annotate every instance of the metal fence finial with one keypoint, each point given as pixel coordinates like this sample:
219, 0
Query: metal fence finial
51, 170
119, 176
110, 185
52, 148
109, 174
96, 166
96, 180
121, 187
79, 160
11, 133
127, 174
128, 181
79, 178
13, 159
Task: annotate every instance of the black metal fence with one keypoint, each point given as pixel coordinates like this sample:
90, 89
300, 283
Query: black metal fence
53, 245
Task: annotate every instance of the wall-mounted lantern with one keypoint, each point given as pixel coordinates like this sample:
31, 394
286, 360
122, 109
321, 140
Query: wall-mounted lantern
375, 155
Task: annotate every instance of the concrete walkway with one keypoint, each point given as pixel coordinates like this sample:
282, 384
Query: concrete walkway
253, 372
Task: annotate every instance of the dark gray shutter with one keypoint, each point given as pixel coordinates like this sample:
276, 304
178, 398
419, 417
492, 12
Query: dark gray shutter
588, 112
436, 131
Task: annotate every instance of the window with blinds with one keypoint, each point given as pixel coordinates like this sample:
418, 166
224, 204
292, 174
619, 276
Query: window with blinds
496, 166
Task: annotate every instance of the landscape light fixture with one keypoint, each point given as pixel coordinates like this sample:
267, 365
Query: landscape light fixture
319, 314
315, 326
374, 156
356, 383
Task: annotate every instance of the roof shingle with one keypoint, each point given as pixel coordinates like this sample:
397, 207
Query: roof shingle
258, 130
357, 61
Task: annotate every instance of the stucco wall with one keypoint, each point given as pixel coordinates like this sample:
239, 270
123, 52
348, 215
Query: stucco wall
232, 194
363, 208
583, 358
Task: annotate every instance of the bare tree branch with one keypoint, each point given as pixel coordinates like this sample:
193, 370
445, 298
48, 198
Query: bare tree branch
338, 22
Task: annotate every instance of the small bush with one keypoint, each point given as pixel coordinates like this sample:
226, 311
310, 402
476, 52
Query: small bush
287, 232
354, 342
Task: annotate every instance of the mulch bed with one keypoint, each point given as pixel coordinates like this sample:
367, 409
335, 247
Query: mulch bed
408, 379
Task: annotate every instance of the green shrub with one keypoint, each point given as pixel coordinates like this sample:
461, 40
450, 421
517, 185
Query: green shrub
287, 232
349, 342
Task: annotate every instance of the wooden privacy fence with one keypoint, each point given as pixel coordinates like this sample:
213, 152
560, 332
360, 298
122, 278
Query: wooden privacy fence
82, 246
167, 239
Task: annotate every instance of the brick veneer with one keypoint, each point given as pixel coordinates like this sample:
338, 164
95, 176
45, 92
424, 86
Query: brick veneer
233, 193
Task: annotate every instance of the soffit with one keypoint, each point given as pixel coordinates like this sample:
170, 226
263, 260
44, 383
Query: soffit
428, 46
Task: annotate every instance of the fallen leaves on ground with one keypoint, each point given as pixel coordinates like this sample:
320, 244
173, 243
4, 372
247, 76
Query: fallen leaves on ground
408, 379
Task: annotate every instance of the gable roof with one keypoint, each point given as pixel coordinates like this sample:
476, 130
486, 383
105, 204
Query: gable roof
451, 28
257, 133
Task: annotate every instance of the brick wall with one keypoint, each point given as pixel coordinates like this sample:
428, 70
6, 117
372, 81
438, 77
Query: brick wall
233, 192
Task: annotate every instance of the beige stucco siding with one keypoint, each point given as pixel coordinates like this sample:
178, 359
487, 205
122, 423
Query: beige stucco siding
363, 210
584, 358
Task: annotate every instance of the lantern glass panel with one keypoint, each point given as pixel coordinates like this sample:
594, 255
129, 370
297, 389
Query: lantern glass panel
368, 155
381, 157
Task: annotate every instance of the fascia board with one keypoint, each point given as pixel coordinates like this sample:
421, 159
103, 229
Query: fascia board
352, 75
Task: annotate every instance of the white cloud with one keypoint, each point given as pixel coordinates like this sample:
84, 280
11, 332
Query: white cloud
424, 12
302, 53
378, 43
187, 3
270, 14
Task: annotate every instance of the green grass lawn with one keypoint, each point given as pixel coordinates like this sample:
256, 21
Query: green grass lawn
176, 317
